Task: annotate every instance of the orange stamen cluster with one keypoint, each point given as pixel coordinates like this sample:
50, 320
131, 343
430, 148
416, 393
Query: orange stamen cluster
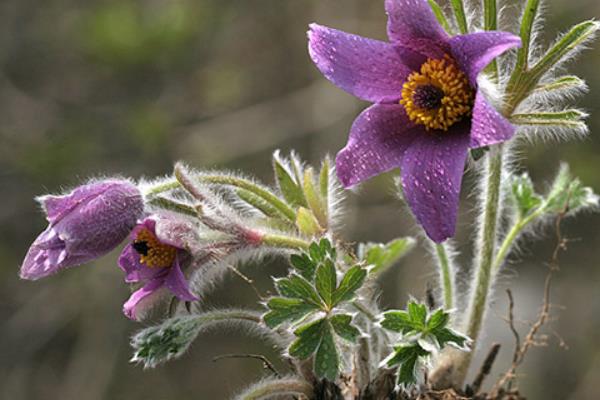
441, 77
153, 253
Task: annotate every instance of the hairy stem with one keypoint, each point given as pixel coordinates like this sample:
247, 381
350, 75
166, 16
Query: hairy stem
446, 275
480, 291
234, 181
459, 13
284, 241
277, 387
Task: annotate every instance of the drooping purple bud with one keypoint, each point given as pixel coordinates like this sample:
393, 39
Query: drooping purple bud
83, 225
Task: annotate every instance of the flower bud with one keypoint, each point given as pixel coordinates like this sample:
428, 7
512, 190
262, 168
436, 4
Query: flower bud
83, 225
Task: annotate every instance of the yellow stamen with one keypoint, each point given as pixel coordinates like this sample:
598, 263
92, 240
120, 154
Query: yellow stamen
152, 252
455, 92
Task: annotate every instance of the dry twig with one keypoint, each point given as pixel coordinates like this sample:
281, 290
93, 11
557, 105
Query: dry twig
266, 363
532, 339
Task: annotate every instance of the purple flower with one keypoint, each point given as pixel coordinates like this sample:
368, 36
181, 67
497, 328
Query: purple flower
83, 225
154, 258
428, 109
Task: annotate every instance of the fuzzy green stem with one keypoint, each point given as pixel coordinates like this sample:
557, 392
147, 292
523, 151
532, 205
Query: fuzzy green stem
461, 18
235, 181
363, 309
284, 242
487, 245
277, 388
172, 205
439, 15
511, 236
446, 277
490, 23
161, 188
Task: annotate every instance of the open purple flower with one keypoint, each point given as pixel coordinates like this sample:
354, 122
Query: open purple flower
428, 109
83, 225
154, 259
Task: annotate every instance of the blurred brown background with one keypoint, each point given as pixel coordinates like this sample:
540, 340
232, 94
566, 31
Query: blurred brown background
98, 87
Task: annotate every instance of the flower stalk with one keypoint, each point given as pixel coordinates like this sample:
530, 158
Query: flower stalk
446, 275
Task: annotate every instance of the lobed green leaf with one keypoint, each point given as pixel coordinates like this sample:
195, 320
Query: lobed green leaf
350, 283
297, 287
309, 338
524, 194
326, 281
291, 191
342, 325
327, 362
383, 256
286, 310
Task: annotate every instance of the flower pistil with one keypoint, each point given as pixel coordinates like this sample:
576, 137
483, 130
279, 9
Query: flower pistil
437, 96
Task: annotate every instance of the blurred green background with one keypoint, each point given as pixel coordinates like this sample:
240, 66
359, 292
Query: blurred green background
96, 87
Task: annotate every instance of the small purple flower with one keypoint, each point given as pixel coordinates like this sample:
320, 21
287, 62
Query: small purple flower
83, 225
154, 259
428, 109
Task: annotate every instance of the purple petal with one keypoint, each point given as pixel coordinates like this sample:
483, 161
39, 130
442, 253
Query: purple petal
57, 207
177, 283
488, 126
129, 262
475, 51
432, 171
140, 299
83, 225
45, 256
378, 139
412, 24
369, 69
177, 232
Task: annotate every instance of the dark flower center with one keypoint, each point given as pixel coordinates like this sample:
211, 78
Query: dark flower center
141, 247
438, 95
428, 97
153, 253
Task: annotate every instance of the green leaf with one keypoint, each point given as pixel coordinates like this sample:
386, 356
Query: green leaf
350, 283
568, 118
326, 281
524, 194
259, 203
478, 153
291, 191
407, 375
342, 325
315, 252
327, 249
313, 198
309, 337
563, 83
576, 37
459, 13
327, 361
437, 320
527, 23
304, 265
284, 309
567, 189
417, 313
324, 182
447, 336
307, 223
439, 15
170, 339
297, 287
398, 321
384, 256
